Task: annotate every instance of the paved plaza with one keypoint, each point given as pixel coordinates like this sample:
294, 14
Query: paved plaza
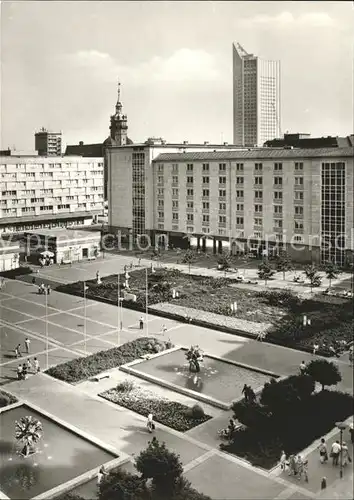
57, 334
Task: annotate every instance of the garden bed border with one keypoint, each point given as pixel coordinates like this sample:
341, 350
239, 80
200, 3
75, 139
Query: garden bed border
129, 368
83, 478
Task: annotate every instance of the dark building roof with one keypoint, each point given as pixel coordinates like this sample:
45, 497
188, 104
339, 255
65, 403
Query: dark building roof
300, 141
91, 150
259, 154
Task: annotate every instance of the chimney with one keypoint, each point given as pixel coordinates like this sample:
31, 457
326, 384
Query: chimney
226, 143
81, 143
185, 142
206, 143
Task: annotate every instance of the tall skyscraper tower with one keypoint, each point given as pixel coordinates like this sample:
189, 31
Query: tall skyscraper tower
256, 98
119, 125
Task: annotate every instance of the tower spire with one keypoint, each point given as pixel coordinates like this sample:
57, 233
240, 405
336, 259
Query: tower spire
118, 91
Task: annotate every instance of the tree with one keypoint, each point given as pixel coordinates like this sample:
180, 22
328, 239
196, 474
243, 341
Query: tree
224, 261
313, 276
265, 272
251, 415
332, 272
284, 264
122, 485
161, 465
282, 396
29, 431
188, 258
323, 371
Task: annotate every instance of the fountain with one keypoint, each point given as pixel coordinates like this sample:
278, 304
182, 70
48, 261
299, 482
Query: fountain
28, 430
195, 356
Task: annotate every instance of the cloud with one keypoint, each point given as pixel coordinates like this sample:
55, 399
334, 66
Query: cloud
313, 19
183, 66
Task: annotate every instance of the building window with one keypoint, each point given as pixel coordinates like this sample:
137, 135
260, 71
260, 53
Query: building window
258, 194
189, 180
299, 166
190, 217
239, 207
258, 208
257, 221
222, 180
206, 193
239, 167
206, 180
190, 192
278, 223
175, 216
160, 226
206, 218
258, 167
222, 219
161, 215
160, 168
174, 227
174, 192
160, 203
222, 167
239, 221
239, 193
299, 195
299, 181
174, 168
299, 210
190, 204
298, 238
160, 191
159, 179
278, 195
175, 179
206, 205
278, 167
190, 229
258, 181
222, 193
239, 180
299, 225
189, 167
174, 204
278, 210
222, 206
205, 167
206, 230
278, 181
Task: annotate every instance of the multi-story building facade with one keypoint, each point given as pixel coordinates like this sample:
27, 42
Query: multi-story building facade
240, 199
45, 192
48, 143
256, 98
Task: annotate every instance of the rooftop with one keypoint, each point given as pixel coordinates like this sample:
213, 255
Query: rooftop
259, 154
70, 234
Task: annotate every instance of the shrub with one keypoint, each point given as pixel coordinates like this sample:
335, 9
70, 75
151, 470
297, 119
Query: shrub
83, 368
6, 399
122, 485
125, 386
161, 465
197, 411
323, 371
265, 271
19, 271
280, 397
251, 415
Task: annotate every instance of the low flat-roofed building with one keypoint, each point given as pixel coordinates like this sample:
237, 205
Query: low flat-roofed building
9, 255
66, 245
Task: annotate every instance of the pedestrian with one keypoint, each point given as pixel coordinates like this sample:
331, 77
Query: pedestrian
323, 451
139, 261
28, 365
292, 466
131, 265
302, 368
18, 351
245, 392
345, 454
324, 483
335, 451
351, 432
27, 344
283, 460
315, 348
101, 475
24, 371
260, 336
36, 366
150, 423
19, 372
48, 290
164, 329
141, 323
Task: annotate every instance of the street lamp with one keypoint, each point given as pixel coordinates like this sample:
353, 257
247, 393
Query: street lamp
85, 288
46, 328
341, 426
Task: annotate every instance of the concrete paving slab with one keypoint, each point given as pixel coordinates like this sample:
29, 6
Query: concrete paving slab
11, 337
77, 323
56, 332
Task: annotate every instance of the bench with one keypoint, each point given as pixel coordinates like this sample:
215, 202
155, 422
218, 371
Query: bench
100, 376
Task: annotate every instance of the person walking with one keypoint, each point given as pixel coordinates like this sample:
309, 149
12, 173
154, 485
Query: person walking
282, 461
24, 371
18, 351
164, 329
302, 368
19, 372
315, 348
335, 452
141, 323
323, 451
101, 475
245, 392
27, 344
345, 454
36, 366
150, 423
292, 466
48, 289
28, 365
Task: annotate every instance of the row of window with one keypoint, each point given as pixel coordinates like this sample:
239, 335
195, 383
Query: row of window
258, 180
277, 210
278, 167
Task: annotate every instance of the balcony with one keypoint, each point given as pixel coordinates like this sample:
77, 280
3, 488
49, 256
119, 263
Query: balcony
222, 198
190, 210
206, 223
278, 229
190, 197
205, 198
205, 210
174, 184
298, 230
223, 224
298, 216
222, 211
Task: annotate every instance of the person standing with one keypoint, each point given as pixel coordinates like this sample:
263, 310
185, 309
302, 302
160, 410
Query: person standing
150, 423
292, 466
36, 366
19, 372
101, 475
18, 351
48, 289
283, 460
245, 392
28, 365
323, 451
164, 329
24, 371
141, 323
27, 344
345, 454
335, 452
302, 368
315, 348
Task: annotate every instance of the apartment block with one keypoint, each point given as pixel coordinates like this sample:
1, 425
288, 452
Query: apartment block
238, 199
48, 143
46, 192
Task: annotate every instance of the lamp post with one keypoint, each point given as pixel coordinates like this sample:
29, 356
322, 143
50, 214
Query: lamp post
46, 329
85, 288
119, 327
146, 302
341, 426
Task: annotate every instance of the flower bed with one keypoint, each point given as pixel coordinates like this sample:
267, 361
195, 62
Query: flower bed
6, 399
170, 413
314, 418
84, 368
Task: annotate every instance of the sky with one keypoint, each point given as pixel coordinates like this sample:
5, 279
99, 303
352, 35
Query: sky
61, 62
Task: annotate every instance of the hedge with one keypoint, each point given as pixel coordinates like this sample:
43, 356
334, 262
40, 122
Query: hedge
13, 273
80, 369
6, 399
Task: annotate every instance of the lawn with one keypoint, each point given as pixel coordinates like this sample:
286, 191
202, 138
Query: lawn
79, 369
170, 413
